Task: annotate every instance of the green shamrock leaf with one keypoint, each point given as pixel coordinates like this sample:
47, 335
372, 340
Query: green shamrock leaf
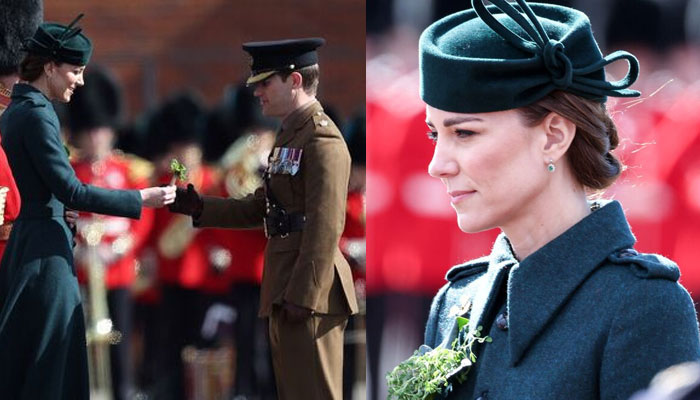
179, 171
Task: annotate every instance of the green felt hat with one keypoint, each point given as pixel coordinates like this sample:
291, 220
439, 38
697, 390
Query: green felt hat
61, 43
507, 56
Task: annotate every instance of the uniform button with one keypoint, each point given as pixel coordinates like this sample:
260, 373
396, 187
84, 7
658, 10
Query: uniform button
502, 321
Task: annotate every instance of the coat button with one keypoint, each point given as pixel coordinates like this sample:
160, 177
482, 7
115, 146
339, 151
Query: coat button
624, 253
483, 396
502, 321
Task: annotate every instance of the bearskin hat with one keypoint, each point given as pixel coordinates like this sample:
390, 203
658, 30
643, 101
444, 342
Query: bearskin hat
98, 103
19, 19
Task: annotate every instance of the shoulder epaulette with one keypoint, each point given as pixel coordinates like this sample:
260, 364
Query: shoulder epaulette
321, 119
467, 269
646, 266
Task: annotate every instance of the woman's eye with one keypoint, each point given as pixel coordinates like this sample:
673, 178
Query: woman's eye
464, 133
432, 135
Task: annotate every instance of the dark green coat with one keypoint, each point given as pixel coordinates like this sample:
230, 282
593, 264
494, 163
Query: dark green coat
587, 316
42, 331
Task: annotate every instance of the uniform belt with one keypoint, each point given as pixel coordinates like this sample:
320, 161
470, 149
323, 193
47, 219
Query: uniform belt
5, 230
282, 224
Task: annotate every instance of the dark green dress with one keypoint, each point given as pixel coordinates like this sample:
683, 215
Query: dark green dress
42, 330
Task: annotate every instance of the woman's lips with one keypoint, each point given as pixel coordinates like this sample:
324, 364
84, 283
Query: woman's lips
458, 195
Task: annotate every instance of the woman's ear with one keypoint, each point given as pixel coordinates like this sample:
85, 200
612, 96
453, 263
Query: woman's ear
559, 133
49, 68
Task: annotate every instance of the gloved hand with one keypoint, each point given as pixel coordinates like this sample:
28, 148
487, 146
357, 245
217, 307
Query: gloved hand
187, 201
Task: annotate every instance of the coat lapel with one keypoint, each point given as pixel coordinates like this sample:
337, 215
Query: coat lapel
487, 286
543, 282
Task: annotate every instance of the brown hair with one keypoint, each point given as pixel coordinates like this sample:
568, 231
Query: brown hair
32, 67
309, 77
590, 154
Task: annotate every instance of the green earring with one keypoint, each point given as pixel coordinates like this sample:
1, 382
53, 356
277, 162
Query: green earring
551, 167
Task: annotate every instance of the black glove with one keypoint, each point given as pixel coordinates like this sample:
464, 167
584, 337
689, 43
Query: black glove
187, 202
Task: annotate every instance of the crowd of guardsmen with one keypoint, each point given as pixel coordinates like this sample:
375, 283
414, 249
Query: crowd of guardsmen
185, 300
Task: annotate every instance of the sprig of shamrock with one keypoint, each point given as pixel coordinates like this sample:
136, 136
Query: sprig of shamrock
427, 374
179, 171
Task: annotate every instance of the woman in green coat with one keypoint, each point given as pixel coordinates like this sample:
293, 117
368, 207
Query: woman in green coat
42, 331
515, 99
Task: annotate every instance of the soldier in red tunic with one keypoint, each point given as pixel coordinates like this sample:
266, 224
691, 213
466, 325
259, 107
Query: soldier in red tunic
353, 241
241, 165
93, 115
18, 22
182, 255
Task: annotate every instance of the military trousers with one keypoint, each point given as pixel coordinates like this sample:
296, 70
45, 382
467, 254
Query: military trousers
307, 356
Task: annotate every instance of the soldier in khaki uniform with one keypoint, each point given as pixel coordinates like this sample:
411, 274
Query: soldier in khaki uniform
307, 288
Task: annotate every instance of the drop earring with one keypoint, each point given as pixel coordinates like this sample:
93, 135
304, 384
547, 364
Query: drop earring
551, 167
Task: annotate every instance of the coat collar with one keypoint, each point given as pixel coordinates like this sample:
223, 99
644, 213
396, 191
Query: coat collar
541, 283
24, 91
296, 120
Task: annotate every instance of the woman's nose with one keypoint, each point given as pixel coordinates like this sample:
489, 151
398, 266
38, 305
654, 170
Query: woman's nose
442, 164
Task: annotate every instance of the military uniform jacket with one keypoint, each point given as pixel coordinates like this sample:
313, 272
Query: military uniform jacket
584, 317
42, 333
305, 268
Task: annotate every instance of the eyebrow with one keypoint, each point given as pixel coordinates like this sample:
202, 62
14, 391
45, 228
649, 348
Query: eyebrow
455, 120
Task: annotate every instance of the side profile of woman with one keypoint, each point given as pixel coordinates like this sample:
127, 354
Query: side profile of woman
42, 331
515, 97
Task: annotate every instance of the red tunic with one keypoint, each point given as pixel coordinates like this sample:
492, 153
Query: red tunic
123, 238
182, 255
12, 199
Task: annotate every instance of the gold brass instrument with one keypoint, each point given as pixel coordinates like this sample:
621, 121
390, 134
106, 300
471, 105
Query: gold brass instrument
243, 162
100, 334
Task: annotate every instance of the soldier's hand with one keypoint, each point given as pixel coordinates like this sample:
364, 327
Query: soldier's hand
159, 196
293, 313
188, 202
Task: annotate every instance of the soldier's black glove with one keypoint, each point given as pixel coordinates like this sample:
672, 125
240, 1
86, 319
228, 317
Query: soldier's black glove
188, 202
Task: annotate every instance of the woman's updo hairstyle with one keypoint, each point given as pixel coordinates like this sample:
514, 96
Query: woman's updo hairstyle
590, 154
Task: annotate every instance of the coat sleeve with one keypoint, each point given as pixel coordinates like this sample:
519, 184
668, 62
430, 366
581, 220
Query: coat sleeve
221, 212
42, 142
654, 327
326, 165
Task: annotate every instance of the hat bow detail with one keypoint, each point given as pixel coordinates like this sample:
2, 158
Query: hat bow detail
553, 53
